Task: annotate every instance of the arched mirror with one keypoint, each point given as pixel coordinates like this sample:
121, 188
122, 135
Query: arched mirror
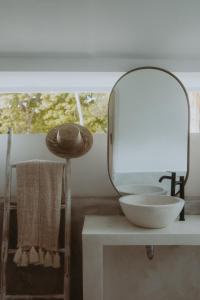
148, 134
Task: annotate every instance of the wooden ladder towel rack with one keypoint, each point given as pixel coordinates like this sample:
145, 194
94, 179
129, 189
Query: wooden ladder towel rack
5, 251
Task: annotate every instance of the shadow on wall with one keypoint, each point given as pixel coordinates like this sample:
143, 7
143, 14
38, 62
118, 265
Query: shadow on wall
45, 280
193, 183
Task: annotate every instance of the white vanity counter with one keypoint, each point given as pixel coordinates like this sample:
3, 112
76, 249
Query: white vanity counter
117, 230
100, 231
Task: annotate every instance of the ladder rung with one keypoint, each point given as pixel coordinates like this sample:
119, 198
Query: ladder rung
53, 296
13, 166
14, 206
10, 204
11, 251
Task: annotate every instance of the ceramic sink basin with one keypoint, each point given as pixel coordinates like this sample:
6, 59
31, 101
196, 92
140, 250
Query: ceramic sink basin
138, 189
151, 211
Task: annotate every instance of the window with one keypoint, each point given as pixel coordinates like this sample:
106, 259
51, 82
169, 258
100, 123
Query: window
39, 112
194, 99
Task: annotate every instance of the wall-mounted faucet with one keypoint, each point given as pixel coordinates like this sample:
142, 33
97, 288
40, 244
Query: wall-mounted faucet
174, 182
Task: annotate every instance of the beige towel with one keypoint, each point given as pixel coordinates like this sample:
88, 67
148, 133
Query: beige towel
39, 193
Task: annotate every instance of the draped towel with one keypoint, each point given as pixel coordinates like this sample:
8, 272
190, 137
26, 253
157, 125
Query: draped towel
39, 193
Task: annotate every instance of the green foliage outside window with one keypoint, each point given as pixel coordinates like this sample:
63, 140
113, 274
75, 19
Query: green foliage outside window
39, 112
94, 108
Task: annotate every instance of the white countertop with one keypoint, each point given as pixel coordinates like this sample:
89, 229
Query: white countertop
117, 230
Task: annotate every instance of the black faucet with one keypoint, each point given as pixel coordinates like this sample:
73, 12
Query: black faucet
182, 195
173, 190
173, 182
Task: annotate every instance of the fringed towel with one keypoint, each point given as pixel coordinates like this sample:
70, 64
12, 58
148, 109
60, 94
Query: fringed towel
39, 193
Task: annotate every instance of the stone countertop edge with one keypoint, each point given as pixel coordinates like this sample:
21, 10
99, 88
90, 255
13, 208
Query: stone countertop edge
117, 230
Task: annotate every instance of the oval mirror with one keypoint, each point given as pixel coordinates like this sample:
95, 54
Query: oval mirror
148, 132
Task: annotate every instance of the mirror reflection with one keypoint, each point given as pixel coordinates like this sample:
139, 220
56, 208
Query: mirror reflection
148, 131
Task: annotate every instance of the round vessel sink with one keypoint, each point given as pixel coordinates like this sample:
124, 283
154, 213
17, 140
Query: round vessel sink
141, 189
151, 211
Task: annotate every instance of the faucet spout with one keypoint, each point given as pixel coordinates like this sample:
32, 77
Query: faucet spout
173, 182
164, 177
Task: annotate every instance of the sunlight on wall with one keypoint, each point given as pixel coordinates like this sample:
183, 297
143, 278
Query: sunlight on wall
194, 100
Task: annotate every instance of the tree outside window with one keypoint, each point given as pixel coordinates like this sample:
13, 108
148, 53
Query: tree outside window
39, 112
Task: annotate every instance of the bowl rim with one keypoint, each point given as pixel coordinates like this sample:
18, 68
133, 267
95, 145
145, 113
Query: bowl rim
178, 201
160, 188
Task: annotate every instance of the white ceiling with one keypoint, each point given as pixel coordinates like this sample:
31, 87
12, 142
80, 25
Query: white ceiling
96, 29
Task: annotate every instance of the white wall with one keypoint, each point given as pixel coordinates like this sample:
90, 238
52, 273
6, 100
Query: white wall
89, 173
12, 82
